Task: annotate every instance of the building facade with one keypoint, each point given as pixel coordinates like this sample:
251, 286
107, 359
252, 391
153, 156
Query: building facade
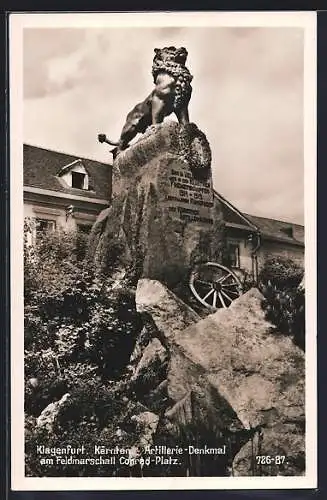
62, 190
251, 240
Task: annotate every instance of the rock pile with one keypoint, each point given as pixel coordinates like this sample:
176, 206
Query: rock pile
232, 369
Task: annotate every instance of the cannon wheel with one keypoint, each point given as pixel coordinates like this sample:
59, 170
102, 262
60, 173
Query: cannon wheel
214, 285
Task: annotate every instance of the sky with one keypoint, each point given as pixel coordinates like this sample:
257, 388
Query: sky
247, 98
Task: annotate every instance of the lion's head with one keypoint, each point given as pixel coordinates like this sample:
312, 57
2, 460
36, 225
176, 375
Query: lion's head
171, 54
171, 60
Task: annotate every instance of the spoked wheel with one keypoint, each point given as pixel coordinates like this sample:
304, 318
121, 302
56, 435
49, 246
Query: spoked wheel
214, 285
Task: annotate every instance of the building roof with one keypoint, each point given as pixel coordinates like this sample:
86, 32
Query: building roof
232, 216
42, 166
279, 230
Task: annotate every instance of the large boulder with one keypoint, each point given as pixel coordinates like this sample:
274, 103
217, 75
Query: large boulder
255, 370
235, 370
162, 217
163, 315
48, 416
169, 313
154, 353
150, 371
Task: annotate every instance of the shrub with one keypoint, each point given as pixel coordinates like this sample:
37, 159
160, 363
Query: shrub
284, 300
247, 281
79, 333
94, 414
77, 326
281, 273
49, 263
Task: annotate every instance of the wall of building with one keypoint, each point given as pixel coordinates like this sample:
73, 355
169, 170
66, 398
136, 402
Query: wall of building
59, 215
84, 215
245, 259
270, 249
267, 250
51, 214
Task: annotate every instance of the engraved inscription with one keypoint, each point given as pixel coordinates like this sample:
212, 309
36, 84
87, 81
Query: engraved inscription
190, 199
190, 215
185, 188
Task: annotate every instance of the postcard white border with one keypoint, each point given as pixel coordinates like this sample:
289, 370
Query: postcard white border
17, 22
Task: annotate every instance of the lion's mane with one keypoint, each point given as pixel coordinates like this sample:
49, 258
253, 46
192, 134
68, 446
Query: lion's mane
172, 61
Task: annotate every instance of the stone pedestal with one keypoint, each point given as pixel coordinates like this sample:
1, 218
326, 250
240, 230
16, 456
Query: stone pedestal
162, 219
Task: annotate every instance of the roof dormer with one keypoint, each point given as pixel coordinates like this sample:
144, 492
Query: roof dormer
75, 175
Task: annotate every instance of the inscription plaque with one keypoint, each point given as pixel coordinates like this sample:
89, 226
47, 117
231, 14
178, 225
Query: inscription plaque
189, 198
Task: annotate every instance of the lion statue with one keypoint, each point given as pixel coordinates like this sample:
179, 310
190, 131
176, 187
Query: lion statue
172, 93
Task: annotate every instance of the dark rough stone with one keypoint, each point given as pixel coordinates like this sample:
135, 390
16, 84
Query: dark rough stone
161, 218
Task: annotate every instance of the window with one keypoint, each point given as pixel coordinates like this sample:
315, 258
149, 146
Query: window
233, 251
35, 227
75, 175
78, 180
44, 225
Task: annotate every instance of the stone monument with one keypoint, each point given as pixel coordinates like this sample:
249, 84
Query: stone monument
162, 219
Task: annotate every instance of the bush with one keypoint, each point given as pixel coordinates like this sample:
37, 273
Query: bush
284, 300
49, 263
94, 414
247, 281
78, 327
281, 273
80, 331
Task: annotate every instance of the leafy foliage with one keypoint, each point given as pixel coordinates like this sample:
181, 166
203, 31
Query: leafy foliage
94, 414
284, 301
247, 281
80, 330
281, 272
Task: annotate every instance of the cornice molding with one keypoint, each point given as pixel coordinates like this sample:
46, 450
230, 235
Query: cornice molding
65, 196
